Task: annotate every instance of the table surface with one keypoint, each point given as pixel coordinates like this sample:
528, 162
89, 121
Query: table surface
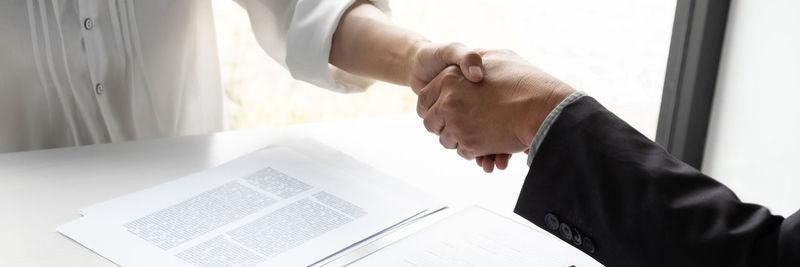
40, 190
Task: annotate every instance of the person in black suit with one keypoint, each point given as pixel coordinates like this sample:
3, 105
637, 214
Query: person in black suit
595, 181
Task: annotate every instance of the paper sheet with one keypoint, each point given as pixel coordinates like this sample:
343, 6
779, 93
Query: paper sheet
477, 237
274, 207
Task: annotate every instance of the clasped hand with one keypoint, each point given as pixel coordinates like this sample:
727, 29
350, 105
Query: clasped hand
494, 118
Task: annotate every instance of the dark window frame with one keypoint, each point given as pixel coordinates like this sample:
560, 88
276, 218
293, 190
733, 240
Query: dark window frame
695, 49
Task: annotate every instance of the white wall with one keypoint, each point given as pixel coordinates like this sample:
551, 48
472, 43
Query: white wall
753, 144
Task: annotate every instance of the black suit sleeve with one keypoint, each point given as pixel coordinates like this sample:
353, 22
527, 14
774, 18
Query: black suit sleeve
602, 186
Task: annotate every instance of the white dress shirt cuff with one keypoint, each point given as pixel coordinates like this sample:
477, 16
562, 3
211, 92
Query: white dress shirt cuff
548, 121
309, 45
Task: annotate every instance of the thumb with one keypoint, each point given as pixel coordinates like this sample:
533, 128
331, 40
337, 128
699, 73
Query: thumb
468, 60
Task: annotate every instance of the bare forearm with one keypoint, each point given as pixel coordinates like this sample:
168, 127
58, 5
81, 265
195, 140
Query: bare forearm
367, 43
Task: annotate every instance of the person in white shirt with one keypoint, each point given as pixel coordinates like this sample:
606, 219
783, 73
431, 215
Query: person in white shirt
78, 72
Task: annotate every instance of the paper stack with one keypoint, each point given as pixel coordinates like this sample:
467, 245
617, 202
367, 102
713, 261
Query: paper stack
477, 237
292, 205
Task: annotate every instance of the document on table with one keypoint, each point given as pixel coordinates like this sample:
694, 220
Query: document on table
280, 206
477, 237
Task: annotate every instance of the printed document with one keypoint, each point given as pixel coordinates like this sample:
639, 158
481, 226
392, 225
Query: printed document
280, 206
477, 237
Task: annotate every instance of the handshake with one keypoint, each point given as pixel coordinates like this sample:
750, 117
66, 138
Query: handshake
485, 104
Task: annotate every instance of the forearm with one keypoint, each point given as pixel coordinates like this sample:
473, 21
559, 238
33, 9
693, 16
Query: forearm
367, 43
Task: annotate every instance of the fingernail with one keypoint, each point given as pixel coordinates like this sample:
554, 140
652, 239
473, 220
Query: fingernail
476, 71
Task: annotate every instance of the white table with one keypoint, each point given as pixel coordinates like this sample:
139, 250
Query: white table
40, 190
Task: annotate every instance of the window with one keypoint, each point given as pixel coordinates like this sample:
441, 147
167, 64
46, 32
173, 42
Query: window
614, 50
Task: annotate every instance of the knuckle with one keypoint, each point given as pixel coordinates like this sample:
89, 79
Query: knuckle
455, 127
430, 125
445, 143
464, 153
450, 78
453, 139
452, 103
422, 102
470, 143
451, 75
460, 152
470, 153
423, 93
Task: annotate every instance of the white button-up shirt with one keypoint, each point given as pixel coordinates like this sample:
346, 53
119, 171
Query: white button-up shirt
76, 72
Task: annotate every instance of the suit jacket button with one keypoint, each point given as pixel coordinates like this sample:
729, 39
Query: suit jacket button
551, 221
588, 245
566, 231
576, 237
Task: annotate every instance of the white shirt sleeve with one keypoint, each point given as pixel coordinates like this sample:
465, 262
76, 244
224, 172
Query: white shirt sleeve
298, 34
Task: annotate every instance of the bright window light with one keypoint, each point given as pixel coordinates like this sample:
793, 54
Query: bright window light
614, 50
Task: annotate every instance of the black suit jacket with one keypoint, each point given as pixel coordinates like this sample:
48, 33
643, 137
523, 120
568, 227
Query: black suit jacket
602, 186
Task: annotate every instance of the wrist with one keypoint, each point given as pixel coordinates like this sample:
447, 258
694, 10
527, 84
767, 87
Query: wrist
538, 107
412, 57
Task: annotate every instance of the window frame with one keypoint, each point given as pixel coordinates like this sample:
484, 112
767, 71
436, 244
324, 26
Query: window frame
694, 54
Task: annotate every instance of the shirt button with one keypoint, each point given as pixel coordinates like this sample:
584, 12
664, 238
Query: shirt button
88, 24
566, 232
99, 89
